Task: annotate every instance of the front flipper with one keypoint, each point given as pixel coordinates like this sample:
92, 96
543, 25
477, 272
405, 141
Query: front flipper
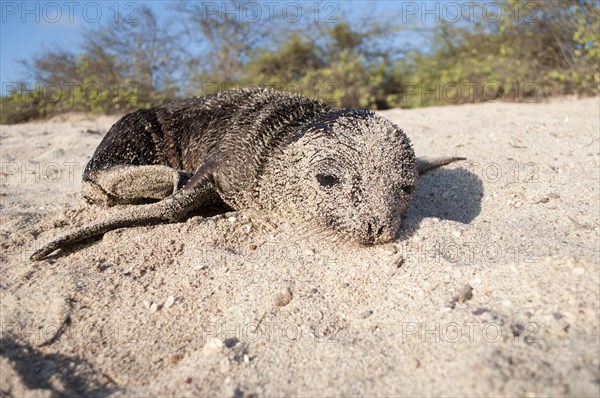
172, 209
132, 184
426, 164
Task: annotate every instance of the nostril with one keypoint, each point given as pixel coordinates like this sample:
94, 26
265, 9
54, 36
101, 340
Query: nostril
372, 231
408, 189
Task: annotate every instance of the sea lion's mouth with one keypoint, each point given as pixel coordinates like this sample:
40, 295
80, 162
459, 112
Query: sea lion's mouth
369, 232
378, 238
375, 234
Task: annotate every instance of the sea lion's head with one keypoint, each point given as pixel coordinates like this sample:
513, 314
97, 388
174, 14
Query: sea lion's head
350, 172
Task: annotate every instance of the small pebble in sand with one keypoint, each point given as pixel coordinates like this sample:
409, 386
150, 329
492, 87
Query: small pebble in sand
232, 219
456, 233
398, 263
557, 315
466, 293
146, 303
578, 271
212, 346
200, 267
553, 195
169, 302
176, 358
252, 247
544, 200
282, 299
366, 314
153, 308
390, 250
517, 328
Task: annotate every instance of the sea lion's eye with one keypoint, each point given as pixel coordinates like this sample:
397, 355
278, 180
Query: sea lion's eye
408, 189
327, 180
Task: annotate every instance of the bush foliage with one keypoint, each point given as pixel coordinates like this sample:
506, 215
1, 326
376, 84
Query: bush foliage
352, 63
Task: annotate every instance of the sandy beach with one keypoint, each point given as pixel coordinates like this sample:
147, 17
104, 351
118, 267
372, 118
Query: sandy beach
492, 288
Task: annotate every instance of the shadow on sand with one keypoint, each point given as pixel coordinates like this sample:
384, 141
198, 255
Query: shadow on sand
36, 369
448, 194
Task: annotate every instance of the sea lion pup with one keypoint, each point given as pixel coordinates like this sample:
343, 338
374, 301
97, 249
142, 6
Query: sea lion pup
348, 171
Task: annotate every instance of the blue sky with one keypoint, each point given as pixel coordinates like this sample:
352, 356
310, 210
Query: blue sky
30, 26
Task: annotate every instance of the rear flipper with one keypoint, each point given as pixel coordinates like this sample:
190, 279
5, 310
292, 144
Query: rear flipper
174, 208
426, 164
122, 185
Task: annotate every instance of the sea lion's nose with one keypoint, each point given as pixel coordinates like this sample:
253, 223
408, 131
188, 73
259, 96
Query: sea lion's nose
374, 230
